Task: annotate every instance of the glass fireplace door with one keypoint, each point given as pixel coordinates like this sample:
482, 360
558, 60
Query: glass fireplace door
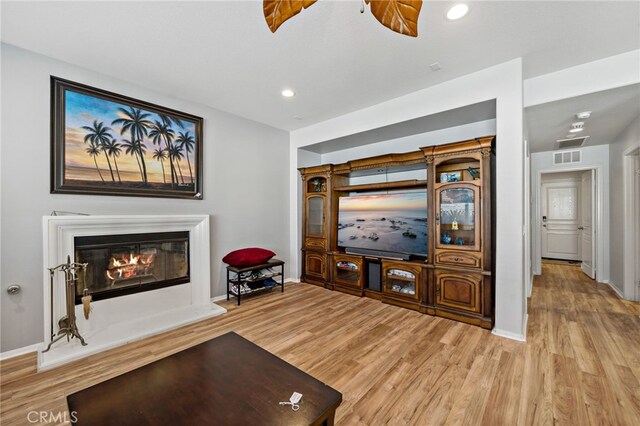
126, 264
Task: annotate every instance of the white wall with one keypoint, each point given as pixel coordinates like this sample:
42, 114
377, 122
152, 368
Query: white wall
503, 83
562, 177
603, 74
629, 137
592, 157
245, 176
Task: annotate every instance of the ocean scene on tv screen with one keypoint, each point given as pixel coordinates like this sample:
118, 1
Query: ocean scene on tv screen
390, 222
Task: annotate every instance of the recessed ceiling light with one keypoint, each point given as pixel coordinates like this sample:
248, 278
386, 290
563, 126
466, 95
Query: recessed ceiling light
457, 11
576, 127
288, 93
583, 115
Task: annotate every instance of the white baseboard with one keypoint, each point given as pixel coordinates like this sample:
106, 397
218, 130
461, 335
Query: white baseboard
21, 351
531, 285
614, 288
509, 335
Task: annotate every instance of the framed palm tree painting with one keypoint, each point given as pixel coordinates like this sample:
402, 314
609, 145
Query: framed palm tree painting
109, 144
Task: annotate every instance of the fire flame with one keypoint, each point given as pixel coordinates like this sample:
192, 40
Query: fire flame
133, 260
130, 267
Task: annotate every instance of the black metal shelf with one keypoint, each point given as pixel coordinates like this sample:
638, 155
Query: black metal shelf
255, 280
253, 290
273, 263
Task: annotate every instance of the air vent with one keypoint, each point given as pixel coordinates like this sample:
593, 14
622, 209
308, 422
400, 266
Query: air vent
570, 143
565, 157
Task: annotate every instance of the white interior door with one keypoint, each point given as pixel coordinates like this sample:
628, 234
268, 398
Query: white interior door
586, 227
561, 238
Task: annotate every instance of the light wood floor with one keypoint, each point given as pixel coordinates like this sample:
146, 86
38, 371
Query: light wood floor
580, 365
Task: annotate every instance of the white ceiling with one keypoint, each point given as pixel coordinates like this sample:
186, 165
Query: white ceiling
337, 60
613, 110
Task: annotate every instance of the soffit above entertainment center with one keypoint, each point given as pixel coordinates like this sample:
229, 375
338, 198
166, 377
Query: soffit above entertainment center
474, 113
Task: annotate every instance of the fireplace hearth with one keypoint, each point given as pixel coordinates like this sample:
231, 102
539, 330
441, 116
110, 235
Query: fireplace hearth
131, 263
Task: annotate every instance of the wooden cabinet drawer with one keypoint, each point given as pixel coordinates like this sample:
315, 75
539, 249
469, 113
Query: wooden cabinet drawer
316, 243
459, 291
472, 260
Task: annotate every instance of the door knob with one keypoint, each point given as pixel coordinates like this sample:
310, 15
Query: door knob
580, 228
14, 289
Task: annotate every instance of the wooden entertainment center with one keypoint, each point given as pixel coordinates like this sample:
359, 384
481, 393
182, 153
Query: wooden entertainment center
455, 278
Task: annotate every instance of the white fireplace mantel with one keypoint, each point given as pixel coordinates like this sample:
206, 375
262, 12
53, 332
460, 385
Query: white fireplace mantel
127, 318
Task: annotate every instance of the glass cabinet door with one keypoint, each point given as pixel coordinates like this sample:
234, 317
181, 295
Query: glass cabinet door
315, 215
457, 217
348, 273
401, 282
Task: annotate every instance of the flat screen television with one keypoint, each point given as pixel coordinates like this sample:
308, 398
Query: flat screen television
394, 222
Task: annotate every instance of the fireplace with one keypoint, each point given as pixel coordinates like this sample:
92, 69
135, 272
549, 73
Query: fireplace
131, 263
181, 263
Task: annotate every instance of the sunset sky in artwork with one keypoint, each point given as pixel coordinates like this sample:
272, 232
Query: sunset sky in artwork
81, 110
405, 201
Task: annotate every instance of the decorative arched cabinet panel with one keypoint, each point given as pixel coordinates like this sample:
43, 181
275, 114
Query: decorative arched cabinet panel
316, 265
459, 291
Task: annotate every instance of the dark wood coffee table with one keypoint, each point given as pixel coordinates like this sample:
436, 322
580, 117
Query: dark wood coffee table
225, 381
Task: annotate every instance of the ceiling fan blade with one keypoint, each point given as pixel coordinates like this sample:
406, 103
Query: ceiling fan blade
276, 12
400, 16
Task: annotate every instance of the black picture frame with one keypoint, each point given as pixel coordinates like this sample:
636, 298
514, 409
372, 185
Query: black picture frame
104, 143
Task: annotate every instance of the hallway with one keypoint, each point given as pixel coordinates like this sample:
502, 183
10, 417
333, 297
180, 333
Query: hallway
583, 344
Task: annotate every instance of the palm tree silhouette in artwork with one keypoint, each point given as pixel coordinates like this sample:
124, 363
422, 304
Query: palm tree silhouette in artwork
94, 151
113, 149
135, 122
176, 154
131, 148
168, 119
162, 131
187, 142
160, 154
99, 135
